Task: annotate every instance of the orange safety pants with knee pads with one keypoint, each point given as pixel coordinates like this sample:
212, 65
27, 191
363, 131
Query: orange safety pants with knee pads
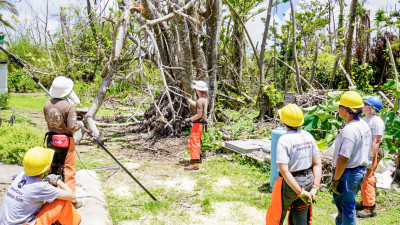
276, 213
58, 212
195, 141
368, 186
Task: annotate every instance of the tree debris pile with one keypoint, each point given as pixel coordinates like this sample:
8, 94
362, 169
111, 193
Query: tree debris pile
311, 98
163, 120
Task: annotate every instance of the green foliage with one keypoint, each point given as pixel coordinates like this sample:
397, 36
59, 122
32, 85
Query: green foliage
16, 140
363, 77
274, 94
20, 82
321, 122
212, 139
390, 141
4, 99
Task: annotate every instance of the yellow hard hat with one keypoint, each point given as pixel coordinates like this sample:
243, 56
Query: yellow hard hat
291, 115
352, 100
37, 160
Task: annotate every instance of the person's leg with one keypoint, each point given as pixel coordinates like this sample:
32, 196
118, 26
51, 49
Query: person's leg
368, 194
300, 210
60, 211
70, 165
195, 146
348, 188
288, 197
195, 141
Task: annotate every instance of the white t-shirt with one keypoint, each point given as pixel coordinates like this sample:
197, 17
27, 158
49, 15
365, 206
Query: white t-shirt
376, 124
25, 198
296, 148
354, 142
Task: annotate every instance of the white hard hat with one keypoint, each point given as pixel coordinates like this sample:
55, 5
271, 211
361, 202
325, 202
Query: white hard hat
61, 87
200, 85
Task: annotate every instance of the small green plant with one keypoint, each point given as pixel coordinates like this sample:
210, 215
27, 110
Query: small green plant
363, 77
4, 99
273, 93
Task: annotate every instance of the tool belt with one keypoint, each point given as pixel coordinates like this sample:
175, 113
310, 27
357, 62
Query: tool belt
300, 173
60, 144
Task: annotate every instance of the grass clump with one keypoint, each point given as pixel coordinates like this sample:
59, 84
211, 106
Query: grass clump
16, 140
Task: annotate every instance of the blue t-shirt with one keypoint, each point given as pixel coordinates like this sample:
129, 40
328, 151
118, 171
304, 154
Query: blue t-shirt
25, 198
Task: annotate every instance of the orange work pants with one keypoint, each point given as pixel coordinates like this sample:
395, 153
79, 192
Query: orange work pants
70, 165
368, 186
195, 140
59, 210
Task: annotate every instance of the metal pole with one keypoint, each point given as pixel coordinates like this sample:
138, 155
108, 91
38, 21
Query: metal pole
116, 160
15, 60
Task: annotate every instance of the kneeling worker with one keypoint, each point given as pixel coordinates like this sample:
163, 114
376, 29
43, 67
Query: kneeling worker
30, 200
299, 163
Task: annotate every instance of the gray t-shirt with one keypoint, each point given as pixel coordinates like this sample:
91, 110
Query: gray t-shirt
25, 198
354, 142
376, 124
296, 148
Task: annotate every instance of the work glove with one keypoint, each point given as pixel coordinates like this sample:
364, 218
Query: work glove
314, 191
80, 122
52, 179
305, 196
187, 120
335, 187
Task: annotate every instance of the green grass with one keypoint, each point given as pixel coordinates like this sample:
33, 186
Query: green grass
16, 140
28, 102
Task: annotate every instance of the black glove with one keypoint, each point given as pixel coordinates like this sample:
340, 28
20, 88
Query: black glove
52, 179
187, 120
335, 187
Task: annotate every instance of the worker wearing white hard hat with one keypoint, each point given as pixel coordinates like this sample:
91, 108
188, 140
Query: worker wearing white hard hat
199, 121
60, 115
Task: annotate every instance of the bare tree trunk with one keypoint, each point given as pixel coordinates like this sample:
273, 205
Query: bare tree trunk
199, 58
315, 61
119, 36
213, 22
334, 71
296, 64
350, 32
264, 99
91, 17
340, 26
63, 20
367, 37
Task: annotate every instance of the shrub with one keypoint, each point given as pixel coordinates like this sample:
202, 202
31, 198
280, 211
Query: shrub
4, 99
16, 140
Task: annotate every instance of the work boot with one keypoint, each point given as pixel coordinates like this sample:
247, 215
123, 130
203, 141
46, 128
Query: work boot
359, 206
77, 204
194, 165
368, 211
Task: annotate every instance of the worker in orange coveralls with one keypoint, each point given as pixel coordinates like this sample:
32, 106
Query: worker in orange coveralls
199, 120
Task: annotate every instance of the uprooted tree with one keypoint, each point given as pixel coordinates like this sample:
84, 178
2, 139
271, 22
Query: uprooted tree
170, 35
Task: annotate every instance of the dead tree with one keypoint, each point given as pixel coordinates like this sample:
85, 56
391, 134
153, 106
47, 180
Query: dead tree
350, 32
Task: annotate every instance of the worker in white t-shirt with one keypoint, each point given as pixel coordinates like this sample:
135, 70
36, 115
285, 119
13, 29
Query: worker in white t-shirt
299, 163
371, 109
350, 158
31, 201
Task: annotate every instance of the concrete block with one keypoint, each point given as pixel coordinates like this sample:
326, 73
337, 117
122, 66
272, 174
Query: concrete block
249, 145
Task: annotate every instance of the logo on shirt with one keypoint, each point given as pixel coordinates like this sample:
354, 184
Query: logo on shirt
21, 183
54, 117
